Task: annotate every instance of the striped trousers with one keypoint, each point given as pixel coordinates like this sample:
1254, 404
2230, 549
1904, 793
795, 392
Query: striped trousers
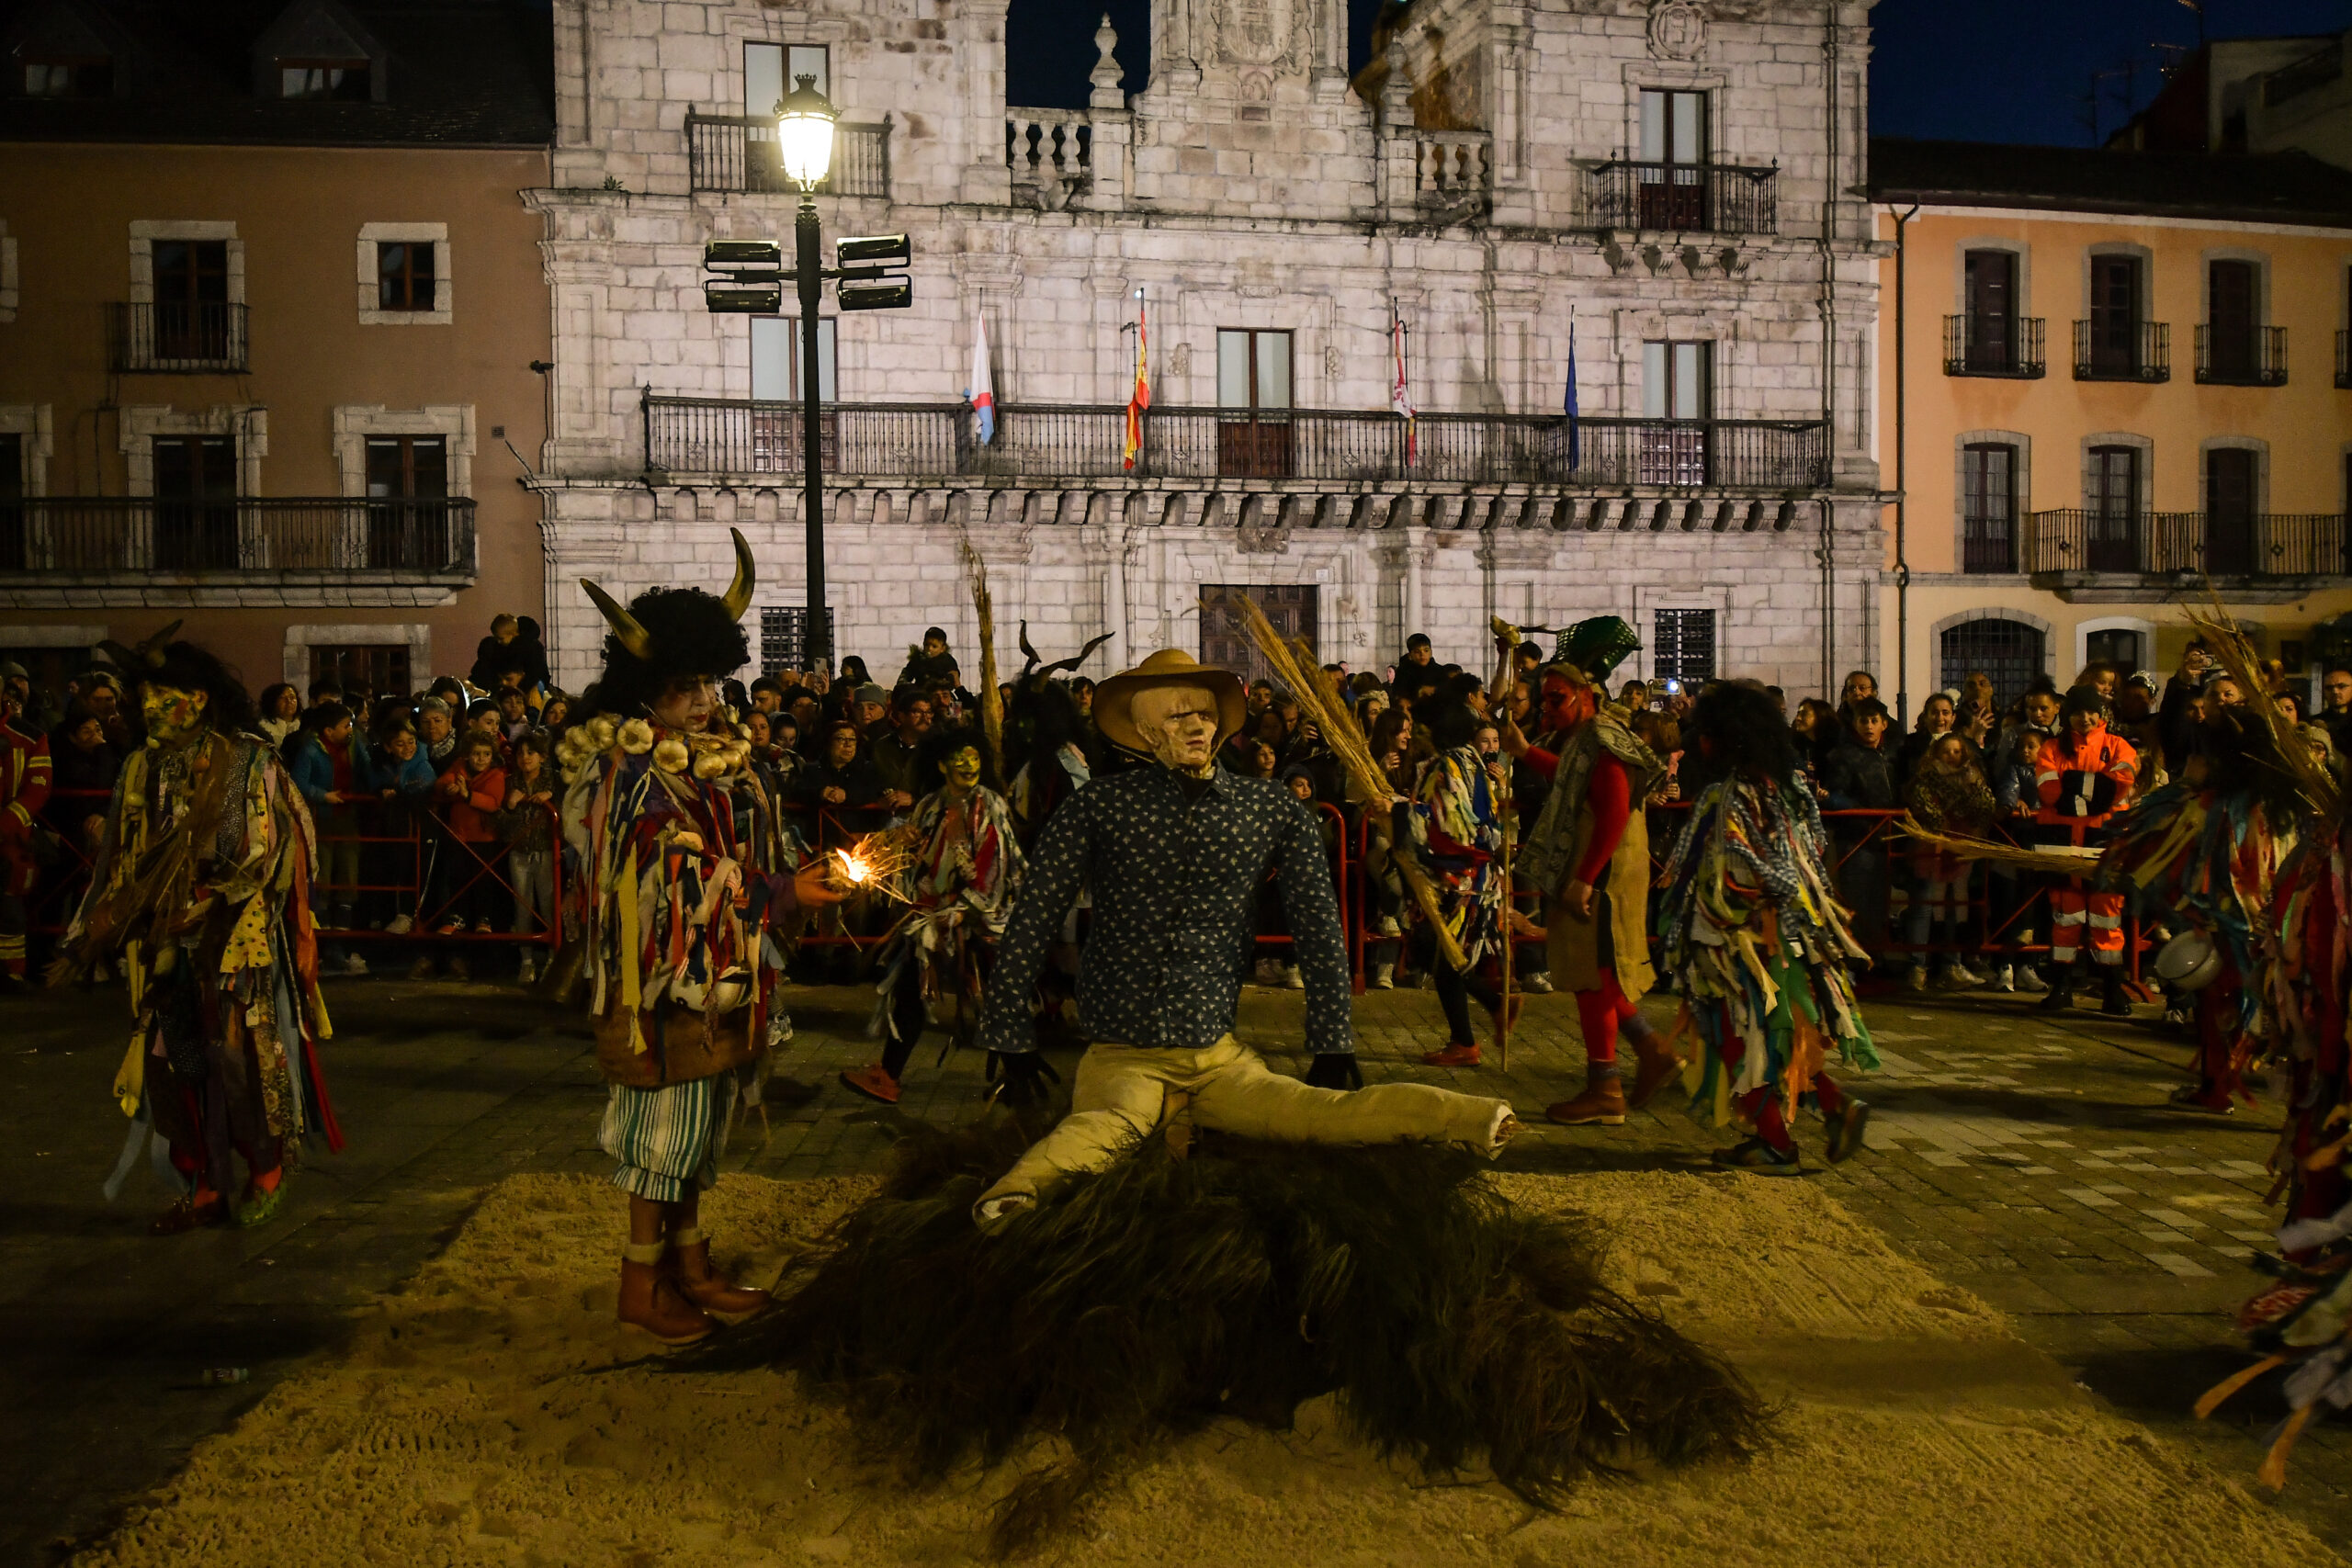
667, 1140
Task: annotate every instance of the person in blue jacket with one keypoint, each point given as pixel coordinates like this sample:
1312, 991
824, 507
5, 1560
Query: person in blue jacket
332, 769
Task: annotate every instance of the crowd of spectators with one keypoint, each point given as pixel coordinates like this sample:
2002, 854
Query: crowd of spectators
435, 808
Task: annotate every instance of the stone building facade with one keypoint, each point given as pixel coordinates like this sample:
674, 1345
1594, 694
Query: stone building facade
1659, 194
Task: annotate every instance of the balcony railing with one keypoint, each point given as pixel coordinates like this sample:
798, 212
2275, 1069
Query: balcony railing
243, 535
176, 337
1050, 153
1994, 345
739, 152
2169, 544
1694, 198
1453, 169
1084, 441
2243, 357
2136, 351
2343, 359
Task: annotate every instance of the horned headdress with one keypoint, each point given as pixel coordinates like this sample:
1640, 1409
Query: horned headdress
664, 634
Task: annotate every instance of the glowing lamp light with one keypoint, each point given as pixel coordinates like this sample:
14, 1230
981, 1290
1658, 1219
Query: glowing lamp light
804, 131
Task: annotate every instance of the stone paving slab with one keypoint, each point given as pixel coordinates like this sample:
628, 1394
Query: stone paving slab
2027, 1156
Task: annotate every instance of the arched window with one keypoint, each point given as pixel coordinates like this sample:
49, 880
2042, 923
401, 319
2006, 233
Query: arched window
2009, 651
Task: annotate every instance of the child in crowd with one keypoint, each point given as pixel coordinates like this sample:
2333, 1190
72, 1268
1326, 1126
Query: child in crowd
470, 792
514, 713
404, 782
332, 769
527, 823
1948, 793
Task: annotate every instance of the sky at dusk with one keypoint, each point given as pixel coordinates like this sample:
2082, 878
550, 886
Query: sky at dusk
1974, 70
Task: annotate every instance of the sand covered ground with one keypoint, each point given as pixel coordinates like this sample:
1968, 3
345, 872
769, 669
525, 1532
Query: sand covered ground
467, 1423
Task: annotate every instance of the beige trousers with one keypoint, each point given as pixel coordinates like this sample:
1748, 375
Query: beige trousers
1124, 1094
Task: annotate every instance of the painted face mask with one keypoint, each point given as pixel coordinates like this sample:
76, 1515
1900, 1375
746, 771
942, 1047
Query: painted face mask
964, 769
1180, 725
173, 714
1566, 705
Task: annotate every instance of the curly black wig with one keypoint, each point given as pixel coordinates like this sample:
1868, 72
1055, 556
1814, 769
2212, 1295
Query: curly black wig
1742, 726
931, 761
184, 667
691, 633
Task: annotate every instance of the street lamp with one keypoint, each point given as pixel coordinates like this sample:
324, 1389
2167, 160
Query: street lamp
753, 276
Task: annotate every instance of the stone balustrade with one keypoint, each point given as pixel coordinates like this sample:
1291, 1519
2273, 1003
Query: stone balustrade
1051, 154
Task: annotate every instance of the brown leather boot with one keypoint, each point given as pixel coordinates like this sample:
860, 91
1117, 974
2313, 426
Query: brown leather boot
1603, 1103
1654, 1070
651, 1302
706, 1288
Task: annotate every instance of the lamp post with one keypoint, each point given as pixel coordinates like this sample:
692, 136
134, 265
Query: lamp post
753, 276
804, 128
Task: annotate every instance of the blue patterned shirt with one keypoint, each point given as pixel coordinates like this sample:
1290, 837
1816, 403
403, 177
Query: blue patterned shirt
1175, 886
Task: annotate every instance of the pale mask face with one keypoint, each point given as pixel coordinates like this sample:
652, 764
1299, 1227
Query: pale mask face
964, 769
687, 705
173, 715
1181, 724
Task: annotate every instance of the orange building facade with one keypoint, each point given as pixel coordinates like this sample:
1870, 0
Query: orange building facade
262, 358
2120, 388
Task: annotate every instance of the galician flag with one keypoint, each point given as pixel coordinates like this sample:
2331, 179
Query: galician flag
981, 393
1132, 444
1400, 402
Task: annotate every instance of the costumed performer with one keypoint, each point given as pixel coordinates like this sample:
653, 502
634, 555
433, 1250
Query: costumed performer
1588, 855
24, 789
2083, 773
678, 904
1175, 856
1457, 828
959, 885
1757, 942
201, 893
2210, 845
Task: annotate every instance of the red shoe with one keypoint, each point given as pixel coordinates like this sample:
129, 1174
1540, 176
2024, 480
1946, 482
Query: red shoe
874, 1081
1453, 1056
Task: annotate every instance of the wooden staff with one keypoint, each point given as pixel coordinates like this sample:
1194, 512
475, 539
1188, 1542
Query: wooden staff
1305, 680
1499, 690
992, 700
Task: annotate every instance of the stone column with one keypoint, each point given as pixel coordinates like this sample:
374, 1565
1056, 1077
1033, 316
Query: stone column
980, 47
1399, 150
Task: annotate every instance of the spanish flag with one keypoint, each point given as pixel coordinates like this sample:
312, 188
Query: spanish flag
1142, 399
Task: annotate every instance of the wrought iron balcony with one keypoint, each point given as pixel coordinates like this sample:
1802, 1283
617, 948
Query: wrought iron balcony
1995, 345
2132, 350
2257, 546
1683, 198
740, 153
939, 441
258, 537
176, 337
2247, 356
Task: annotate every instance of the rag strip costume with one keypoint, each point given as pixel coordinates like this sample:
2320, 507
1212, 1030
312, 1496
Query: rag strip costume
201, 893
1759, 948
24, 787
2212, 856
1457, 829
2084, 782
1592, 831
679, 901
959, 886
1174, 863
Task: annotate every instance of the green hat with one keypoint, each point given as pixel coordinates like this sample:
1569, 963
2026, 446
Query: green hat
1595, 647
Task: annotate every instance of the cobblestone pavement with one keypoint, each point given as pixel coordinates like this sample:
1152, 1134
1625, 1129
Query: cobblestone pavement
2027, 1156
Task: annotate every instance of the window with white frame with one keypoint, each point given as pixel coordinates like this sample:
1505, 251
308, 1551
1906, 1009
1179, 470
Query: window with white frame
775, 359
405, 274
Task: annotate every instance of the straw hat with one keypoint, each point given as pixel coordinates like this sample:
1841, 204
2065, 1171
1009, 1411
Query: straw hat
1114, 698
